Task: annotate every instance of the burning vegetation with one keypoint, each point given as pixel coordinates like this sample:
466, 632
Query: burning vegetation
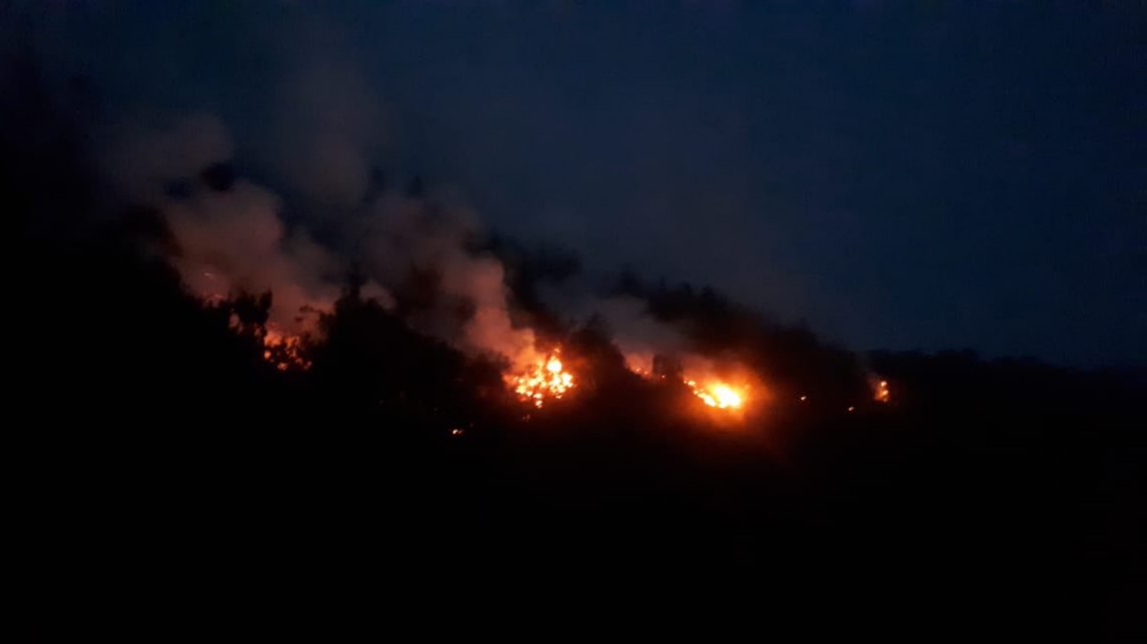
430, 269
545, 380
711, 389
284, 351
718, 395
880, 391
550, 379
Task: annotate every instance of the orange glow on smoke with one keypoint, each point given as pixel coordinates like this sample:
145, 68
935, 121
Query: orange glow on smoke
547, 379
718, 394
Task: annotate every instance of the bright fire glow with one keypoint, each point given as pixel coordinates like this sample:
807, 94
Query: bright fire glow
880, 391
718, 395
284, 351
699, 376
544, 380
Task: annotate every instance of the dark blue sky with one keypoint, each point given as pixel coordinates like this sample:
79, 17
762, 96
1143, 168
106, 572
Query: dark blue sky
901, 174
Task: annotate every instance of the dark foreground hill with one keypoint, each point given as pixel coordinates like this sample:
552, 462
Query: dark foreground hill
167, 477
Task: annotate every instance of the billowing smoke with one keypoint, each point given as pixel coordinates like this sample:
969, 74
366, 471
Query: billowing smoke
325, 136
642, 338
234, 241
141, 156
468, 303
638, 334
230, 236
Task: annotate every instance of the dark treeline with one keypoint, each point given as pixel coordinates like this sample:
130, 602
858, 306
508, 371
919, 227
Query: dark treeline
160, 460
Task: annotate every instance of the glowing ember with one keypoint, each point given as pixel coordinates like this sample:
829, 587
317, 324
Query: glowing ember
718, 395
283, 351
547, 379
880, 391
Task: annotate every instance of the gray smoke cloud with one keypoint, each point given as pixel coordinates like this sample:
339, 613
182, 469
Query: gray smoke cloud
406, 234
307, 141
227, 241
638, 334
140, 155
237, 239
329, 127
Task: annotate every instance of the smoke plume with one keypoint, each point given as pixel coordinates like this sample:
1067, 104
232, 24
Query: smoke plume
233, 238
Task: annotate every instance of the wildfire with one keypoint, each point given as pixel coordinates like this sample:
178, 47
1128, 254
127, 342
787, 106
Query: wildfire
699, 375
880, 391
718, 395
284, 351
544, 380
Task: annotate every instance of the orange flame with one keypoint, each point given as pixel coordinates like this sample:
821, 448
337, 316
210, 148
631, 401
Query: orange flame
881, 392
284, 351
544, 380
718, 394
713, 389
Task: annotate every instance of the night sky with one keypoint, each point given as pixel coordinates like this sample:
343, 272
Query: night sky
901, 175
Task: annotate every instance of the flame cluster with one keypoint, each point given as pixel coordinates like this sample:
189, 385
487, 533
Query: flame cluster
717, 395
284, 351
880, 392
544, 380
712, 390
